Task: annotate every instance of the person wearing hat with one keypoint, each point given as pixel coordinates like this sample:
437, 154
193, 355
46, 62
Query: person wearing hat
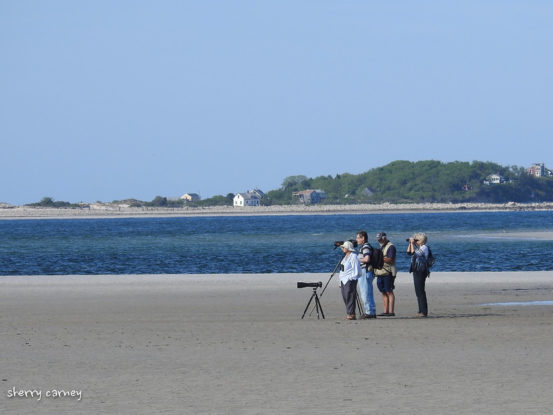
350, 269
386, 275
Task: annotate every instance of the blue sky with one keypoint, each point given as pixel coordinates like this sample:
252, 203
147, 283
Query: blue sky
104, 100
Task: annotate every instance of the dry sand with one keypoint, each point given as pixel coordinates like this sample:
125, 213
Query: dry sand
235, 344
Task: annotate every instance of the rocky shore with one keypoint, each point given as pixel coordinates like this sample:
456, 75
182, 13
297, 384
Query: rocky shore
113, 211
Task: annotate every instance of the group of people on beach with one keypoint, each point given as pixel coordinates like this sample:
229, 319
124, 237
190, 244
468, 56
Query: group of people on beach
357, 272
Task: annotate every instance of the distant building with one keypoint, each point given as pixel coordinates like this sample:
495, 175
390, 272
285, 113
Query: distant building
258, 192
539, 170
494, 179
310, 196
191, 197
246, 199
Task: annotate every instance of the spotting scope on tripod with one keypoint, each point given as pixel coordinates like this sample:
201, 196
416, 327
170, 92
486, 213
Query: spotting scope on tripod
314, 296
337, 269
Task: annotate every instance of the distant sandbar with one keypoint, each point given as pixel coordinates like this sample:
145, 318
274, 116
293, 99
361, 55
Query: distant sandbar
117, 211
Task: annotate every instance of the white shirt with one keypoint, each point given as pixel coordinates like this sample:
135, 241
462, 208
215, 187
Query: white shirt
352, 268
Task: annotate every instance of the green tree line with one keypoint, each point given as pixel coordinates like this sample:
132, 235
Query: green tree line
422, 181
397, 182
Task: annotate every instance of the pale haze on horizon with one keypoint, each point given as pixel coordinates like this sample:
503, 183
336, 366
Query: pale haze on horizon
103, 100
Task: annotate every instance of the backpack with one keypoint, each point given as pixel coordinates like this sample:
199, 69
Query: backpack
431, 259
418, 265
377, 258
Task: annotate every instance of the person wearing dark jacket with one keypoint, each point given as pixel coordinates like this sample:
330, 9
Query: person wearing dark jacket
418, 251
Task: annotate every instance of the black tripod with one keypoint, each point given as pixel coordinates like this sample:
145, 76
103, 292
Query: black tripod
318, 305
357, 300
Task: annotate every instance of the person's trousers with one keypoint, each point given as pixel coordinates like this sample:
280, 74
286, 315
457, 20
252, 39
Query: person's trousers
349, 294
366, 291
420, 280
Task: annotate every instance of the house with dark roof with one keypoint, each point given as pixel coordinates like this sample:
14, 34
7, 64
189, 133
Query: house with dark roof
309, 196
258, 192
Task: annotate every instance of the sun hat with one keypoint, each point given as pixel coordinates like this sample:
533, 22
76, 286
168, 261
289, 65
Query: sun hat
348, 245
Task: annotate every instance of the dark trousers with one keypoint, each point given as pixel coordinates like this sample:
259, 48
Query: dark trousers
349, 293
420, 280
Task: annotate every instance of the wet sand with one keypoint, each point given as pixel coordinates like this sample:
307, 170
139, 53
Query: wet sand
235, 344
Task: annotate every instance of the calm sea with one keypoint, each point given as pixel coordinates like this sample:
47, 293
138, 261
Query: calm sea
490, 241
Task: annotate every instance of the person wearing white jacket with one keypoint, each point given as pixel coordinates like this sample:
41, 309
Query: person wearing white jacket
350, 270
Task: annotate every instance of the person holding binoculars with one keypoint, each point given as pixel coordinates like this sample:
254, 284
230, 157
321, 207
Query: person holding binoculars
418, 251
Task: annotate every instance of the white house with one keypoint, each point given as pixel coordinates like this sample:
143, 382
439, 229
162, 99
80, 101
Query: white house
246, 199
494, 179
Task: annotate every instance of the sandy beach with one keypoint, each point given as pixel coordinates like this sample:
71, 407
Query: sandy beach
115, 211
235, 344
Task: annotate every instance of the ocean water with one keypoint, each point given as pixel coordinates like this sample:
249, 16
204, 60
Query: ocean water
467, 241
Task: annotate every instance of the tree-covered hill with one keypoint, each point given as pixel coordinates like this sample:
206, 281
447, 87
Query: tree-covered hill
423, 181
397, 182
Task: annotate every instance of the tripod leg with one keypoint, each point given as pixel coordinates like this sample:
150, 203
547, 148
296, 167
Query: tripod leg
309, 302
319, 306
329, 279
359, 305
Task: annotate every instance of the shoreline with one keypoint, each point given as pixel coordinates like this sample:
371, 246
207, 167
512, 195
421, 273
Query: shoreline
276, 279
108, 211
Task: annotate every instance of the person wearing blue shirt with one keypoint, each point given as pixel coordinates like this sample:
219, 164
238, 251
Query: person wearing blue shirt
365, 281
